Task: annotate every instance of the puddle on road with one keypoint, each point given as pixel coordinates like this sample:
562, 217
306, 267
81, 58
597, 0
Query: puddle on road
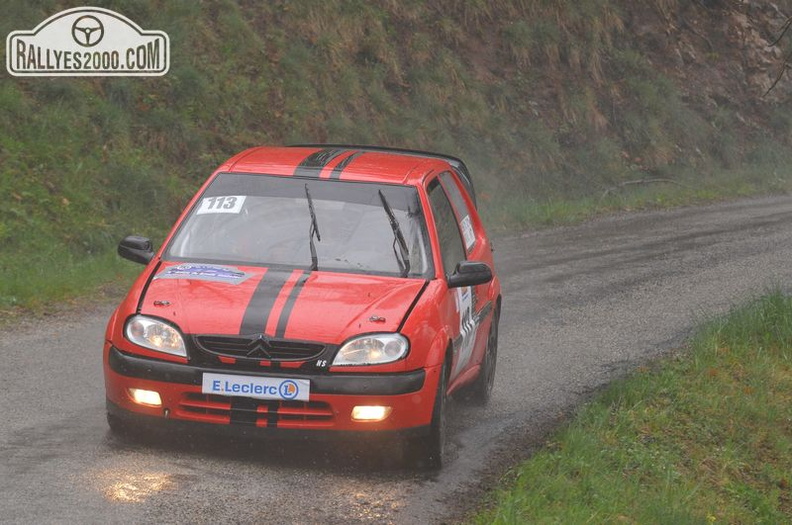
134, 487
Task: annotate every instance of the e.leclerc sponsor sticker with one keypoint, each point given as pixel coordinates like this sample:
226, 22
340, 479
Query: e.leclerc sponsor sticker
257, 387
86, 42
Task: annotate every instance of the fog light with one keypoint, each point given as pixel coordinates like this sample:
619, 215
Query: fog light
145, 397
370, 413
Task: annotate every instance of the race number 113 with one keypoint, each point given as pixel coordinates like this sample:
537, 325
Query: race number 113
221, 204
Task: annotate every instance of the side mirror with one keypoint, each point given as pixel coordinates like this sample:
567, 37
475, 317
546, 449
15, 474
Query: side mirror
470, 273
136, 249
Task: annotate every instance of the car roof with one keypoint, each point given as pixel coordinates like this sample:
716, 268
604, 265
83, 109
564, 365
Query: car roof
346, 162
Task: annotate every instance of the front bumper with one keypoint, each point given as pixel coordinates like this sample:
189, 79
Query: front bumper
410, 396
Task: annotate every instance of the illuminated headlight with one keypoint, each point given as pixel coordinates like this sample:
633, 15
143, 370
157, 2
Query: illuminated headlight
372, 349
155, 335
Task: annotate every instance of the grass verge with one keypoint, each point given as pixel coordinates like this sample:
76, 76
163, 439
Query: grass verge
514, 210
704, 436
59, 277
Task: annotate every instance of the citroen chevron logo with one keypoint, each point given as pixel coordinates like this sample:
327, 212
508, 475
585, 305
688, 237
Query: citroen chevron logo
259, 347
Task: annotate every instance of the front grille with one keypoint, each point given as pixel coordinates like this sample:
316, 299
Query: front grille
258, 347
263, 413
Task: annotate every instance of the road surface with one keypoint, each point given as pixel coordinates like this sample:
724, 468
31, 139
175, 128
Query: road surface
582, 305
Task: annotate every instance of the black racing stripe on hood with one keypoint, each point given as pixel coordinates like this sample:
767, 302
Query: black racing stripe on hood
315, 162
260, 306
283, 320
336, 173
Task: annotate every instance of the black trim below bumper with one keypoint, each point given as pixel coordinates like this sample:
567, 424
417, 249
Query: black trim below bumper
345, 384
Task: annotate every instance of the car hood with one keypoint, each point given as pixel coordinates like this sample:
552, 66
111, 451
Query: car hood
318, 306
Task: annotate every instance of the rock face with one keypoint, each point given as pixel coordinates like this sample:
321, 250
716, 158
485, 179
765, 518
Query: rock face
748, 32
728, 61
724, 50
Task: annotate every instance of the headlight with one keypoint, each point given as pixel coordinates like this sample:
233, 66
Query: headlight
156, 335
372, 349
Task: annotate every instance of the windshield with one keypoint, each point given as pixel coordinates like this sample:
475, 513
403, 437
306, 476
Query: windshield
267, 220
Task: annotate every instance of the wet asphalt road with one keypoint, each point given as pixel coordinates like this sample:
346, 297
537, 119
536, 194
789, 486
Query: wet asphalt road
582, 305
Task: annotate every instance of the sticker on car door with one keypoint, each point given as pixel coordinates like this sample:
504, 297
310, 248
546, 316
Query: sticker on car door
467, 326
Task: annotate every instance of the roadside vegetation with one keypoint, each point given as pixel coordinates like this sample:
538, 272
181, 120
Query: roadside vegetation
704, 436
562, 110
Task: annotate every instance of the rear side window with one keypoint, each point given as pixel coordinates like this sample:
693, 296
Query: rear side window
460, 205
451, 248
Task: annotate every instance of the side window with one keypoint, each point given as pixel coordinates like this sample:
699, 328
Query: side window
463, 212
451, 249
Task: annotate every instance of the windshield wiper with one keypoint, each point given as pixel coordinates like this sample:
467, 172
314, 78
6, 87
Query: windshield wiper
313, 230
403, 254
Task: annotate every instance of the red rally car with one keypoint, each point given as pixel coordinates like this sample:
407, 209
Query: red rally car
312, 288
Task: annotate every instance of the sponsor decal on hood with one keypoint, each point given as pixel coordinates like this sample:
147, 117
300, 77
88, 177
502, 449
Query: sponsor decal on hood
205, 272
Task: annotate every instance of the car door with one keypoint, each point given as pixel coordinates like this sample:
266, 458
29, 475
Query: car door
458, 240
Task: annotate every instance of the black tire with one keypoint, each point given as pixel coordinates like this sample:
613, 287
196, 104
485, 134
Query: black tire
429, 451
480, 391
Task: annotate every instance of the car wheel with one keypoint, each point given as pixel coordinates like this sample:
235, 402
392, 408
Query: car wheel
480, 391
428, 452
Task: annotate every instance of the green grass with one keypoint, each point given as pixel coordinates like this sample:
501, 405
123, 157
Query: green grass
704, 436
515, 210
41, 288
